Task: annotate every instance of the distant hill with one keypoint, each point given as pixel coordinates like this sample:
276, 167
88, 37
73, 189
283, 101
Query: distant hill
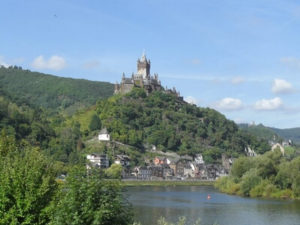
50, 91
261, 131
290, 133
268, 133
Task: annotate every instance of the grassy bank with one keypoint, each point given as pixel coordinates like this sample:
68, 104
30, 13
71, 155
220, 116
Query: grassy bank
167, 183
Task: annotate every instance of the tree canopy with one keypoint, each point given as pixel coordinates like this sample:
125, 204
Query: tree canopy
163, 120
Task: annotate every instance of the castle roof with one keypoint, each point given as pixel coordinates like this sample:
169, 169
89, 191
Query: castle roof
103, 131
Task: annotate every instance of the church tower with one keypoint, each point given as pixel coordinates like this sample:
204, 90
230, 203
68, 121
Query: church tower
143, 67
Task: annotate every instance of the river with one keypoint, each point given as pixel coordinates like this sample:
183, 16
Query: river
150, 203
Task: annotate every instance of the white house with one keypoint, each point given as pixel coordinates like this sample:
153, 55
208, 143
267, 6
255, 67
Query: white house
104, 135
250, 152
97, 160
199, 159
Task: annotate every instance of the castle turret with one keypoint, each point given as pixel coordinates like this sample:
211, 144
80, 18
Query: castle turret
143, 66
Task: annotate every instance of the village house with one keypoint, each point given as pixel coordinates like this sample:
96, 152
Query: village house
172, 166
188, 171
104, 135
250, 152
97, 161
226, 163
179, 169
158, 160
143, 172
214, 171
161, 161
122, 160
168, 173
201, 172
157, 171
199, 159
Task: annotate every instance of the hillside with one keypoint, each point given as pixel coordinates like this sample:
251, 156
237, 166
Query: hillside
290, 133
268, 133
261, 131
163, 120
52, 92
22, 121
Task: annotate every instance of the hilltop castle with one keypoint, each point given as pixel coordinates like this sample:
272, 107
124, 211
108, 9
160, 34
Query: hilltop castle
141, 79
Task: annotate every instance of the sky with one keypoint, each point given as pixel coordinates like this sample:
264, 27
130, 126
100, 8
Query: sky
241, 58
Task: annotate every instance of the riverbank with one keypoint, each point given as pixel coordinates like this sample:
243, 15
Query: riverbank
271, 175
167, 183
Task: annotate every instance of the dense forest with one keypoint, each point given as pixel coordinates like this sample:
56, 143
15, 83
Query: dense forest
51, 92
171, 124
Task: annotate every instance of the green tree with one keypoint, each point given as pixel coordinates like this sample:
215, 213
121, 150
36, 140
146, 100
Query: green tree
7, 144
95, 123
27, 181
114, 171
249, 180
90, 200
241, 166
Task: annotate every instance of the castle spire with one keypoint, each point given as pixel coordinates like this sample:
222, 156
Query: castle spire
143, 58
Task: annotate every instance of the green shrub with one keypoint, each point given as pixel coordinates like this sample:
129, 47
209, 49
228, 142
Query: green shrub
249, 180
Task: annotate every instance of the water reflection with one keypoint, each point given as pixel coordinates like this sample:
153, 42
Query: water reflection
150, 203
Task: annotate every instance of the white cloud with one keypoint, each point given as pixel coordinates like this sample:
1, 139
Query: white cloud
191, 100
229, 104
2, 63
53, 63
281, 87
237, 80
291, 61
268, 104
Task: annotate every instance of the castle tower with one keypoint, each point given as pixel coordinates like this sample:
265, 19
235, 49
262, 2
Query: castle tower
143, 67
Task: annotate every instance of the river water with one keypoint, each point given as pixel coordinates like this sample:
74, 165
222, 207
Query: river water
150, 203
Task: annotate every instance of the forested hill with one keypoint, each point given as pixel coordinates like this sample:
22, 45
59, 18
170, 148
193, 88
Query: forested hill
50, 91
289, 133
163, 120
261, 131
268, 133
24, 122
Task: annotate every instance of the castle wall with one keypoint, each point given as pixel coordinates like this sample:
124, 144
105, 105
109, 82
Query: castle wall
125, 88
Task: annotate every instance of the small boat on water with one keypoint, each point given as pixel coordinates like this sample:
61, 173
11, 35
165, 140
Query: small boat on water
208, 197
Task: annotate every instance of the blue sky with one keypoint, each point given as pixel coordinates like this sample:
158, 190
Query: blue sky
239, 57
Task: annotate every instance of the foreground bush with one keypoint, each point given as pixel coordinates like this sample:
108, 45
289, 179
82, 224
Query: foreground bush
30, 194
27, 187
88, 199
